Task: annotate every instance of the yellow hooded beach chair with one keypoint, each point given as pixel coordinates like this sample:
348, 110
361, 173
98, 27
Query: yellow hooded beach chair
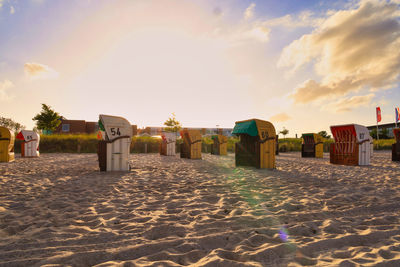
313, 146
257, 144
219, 147
191, 146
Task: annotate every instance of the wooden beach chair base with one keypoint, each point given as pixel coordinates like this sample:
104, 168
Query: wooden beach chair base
350, 159
396, 152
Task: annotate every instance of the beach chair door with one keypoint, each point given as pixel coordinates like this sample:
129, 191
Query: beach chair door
364, 151
118, 152
170, 143
267, 154
28, 148
4, 150
223, 149
195, 150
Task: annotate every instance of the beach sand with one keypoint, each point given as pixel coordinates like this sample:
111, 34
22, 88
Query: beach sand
60, 210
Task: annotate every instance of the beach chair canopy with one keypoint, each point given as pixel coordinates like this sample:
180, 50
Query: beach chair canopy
311, 138
254, 127
341, 132
221, 139
27, 136
7, 135
193, 135
168, 137
113, 127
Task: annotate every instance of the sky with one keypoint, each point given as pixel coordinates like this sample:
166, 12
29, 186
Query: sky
303, 65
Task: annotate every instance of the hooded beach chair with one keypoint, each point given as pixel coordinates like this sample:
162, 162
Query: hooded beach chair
277, 145
167, 145
191, 145
7, 139
114, 147
30, 143
257, 144
313, 146
219, 147
396, 146
352, 145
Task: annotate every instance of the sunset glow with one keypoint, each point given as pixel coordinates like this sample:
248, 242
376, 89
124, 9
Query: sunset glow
212, 63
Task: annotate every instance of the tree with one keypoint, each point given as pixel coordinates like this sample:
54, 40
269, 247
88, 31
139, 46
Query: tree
383, 133
47, 119
324, 134
372, 133
172, 124
9, 123
284, 132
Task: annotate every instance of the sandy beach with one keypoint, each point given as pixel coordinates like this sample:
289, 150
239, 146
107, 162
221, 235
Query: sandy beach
59, 210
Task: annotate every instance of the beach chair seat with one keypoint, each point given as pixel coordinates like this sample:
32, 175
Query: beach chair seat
219, 146
168, 144
352, 145
257, 144
7, 139
115, 134
396, 146
30, 143
191, 144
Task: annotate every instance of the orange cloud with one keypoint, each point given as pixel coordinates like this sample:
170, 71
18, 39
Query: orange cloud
280, 117
347, 104
39, 71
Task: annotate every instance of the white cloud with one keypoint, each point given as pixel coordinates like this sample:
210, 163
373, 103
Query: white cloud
280, 117
249, 12
37, 71
304, 19
351, 50
4, 86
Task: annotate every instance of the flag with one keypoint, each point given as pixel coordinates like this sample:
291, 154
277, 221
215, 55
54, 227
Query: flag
397, 111
378, 114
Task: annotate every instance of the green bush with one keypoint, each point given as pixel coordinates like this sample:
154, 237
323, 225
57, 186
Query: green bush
385, 144
294, 144
87, 143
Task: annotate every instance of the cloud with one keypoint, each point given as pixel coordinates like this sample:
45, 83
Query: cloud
4, 86
280, 117
351, 50
39, 71
347, 104
304, 19
249, 12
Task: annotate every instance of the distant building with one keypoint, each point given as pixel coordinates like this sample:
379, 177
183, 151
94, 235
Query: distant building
82, 127
77, 126
388, 126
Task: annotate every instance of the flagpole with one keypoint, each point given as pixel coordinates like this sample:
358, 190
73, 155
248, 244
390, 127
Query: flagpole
377, 131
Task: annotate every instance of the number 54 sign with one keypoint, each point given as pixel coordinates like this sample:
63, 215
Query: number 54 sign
115, 131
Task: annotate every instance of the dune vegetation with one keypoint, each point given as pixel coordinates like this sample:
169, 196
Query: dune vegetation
87, 143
